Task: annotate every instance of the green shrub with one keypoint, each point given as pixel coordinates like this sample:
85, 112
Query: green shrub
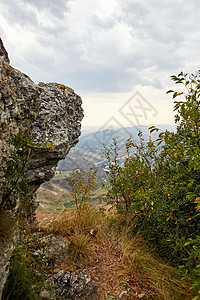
25, 280
159, 180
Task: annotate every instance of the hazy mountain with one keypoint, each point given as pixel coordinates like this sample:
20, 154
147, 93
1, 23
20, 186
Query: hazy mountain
89, 151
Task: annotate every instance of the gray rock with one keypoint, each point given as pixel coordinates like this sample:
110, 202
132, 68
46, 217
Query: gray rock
53, 248
51, 113
4, 267
73, 285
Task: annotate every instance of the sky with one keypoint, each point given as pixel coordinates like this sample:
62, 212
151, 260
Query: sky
118, 55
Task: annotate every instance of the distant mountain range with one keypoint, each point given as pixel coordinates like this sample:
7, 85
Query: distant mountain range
89, 152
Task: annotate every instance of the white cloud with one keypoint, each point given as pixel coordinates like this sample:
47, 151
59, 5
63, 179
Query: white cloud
102, 47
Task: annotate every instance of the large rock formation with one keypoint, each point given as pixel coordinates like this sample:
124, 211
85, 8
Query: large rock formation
50, 113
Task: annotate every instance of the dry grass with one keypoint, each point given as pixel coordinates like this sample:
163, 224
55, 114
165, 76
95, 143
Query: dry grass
79, 248
161, 279
101, 244
71, 222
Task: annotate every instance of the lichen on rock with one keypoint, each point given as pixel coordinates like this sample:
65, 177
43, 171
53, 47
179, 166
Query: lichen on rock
50, 113
73, 285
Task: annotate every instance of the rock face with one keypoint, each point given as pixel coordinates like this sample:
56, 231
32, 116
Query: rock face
73, 285
50, 113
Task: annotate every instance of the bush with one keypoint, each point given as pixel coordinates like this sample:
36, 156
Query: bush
81, 185
159, 180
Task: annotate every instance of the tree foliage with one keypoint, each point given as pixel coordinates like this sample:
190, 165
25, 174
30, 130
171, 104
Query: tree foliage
158, 181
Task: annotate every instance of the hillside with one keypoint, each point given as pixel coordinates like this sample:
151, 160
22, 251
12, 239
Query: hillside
54, 195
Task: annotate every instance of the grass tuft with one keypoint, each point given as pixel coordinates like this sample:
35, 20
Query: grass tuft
79, 248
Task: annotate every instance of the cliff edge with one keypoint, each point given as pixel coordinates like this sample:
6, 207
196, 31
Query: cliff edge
50, 114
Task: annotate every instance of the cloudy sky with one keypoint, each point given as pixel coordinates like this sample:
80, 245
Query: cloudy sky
118, 55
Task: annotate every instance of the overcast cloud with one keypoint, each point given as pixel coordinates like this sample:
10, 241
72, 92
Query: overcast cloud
102, 46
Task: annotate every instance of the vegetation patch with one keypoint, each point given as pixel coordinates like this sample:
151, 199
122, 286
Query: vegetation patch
26, 279
102, 244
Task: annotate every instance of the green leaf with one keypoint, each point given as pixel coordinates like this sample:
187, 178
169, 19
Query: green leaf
170, 91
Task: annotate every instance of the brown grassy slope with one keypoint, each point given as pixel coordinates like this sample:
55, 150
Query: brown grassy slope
117, 263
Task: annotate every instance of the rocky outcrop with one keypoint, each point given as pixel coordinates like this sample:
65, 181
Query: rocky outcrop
73, 285
50, 113
52, 253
